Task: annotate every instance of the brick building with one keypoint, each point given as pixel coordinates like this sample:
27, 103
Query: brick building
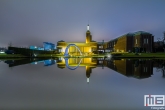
141, 40
144, 41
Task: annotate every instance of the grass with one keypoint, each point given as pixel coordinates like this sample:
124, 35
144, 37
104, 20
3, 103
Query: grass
3, 55
150, 55
120, 55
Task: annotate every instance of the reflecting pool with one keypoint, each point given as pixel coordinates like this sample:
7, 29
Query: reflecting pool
75, 83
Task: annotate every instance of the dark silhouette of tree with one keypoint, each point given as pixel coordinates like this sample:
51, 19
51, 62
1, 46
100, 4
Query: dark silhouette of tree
10, 44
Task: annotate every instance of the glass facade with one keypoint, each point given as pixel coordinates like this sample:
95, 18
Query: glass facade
49, 46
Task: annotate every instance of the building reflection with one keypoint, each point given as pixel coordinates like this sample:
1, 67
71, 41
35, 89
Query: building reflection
88, 63
46, 62
132, 68
136, 68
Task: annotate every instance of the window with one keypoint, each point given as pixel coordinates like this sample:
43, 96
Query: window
147, 41
100, 62
100, 47
144, 41
136, 41
100, 58
145, 69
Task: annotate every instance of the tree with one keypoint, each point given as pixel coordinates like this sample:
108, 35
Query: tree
161, 42
10, 44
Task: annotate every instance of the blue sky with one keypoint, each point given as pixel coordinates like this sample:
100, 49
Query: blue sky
31, 22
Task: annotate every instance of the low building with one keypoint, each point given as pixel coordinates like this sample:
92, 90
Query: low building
2, 50
48, 46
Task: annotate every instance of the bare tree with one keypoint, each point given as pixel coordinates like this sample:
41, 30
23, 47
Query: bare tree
10, 44
161, 41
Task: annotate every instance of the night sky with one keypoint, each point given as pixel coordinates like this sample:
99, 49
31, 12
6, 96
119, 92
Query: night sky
31, 22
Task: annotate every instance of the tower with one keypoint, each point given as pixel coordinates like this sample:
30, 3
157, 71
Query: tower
88, 35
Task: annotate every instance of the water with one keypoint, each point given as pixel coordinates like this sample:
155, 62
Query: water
92, 84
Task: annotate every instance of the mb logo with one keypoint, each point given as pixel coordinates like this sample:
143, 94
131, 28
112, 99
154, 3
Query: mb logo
154, 100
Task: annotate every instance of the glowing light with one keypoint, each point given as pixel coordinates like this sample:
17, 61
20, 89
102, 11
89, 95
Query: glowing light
35, 55
87, 80
88, 27
109, 56
2, 52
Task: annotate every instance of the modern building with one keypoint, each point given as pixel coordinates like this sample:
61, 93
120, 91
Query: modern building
87, 47
142, 41
48, 46
33, 47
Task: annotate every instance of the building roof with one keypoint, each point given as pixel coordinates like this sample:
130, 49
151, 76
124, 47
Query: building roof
132, 34
141, 32
48, 43
88, 31
61, 41
135, 33
93, 41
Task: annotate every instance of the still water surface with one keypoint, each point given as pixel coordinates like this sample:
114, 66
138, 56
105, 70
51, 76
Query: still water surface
80, 83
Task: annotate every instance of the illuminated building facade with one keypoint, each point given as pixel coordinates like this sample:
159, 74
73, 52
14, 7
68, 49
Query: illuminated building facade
141, 40
132, 42
49, 46
46, 46
86, 47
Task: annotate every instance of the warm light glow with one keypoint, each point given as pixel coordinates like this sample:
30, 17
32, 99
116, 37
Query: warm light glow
63, 49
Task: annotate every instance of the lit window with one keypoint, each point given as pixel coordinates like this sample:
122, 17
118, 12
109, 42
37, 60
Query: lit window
100, 61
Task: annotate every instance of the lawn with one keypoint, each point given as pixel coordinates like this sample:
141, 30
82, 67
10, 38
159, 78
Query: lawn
3, 55
153, 55
121, 55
